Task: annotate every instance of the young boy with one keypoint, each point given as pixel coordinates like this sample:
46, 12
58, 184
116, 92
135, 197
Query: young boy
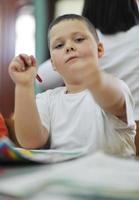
92, 112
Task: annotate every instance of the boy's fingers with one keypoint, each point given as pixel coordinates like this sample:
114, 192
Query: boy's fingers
26, 59
17, 64
21, 63
33, 60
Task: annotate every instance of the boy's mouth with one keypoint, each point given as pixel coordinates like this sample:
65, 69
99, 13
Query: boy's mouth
71, 59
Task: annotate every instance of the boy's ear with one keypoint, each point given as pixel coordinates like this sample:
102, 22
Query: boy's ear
100, 50
53, 66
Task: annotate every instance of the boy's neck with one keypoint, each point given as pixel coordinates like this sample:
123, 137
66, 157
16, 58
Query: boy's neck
74, 88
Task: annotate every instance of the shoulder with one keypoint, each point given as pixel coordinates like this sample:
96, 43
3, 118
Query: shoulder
129, 107
51, 92
129, 103
127, 93
126, 90
49, 98
130, 34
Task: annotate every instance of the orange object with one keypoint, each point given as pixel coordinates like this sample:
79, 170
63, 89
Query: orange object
3, 128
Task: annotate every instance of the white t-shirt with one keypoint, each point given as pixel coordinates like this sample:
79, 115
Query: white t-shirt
76, 122
121, 58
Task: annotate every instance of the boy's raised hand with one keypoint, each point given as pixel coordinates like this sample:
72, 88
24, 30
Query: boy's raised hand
23, 69
87, 71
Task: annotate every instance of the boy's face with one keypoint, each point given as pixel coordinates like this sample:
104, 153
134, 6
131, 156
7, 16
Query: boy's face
71, 42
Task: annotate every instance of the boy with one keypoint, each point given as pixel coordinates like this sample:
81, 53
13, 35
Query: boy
92, 112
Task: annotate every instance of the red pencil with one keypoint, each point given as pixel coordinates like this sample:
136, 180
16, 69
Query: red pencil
37, 76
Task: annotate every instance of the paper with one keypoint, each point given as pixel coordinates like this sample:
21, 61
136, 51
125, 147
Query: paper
97, 175
9, 153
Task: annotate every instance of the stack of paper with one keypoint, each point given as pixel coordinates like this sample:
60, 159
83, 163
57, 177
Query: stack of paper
97, 176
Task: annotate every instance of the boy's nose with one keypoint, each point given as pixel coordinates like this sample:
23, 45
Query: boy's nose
70, 48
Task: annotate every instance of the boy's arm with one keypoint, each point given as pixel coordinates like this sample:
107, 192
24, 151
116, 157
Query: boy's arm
107, 91
29, 130
28, 127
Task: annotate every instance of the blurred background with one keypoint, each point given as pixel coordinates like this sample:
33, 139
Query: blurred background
23, 29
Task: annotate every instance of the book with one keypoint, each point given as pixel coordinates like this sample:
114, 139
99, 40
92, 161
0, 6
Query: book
10, 153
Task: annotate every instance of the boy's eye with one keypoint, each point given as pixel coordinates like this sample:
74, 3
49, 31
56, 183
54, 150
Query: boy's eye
58, 46
79, 39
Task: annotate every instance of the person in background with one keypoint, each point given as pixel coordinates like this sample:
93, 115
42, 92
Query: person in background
117, 23
138, 3
50, 78
93, 111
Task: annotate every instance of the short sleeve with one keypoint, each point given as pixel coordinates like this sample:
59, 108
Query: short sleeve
130, 105
129, 127
122, 133
43, 105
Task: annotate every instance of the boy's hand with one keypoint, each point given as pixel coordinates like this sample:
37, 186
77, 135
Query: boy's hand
87, 72
22, 69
